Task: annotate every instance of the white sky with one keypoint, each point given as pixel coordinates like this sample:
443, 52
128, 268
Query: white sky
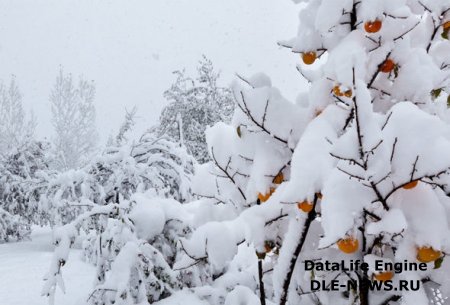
131, 47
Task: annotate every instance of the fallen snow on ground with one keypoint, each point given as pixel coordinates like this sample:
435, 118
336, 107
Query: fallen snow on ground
24, 264
182, 298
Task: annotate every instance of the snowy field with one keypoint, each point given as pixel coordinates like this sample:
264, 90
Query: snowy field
24, 264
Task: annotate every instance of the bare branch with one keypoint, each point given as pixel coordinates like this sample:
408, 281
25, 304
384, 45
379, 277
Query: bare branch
402, 35
250, 116
227, 174
393, 148
387, 121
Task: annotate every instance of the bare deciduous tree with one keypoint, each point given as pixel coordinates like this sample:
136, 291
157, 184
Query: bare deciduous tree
15, 128
73, 118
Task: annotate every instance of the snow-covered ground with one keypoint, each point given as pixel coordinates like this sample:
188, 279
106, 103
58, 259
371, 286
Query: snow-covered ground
24, 264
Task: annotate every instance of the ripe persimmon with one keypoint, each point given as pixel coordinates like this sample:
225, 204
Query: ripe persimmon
387, 66
348, 245
384, 276
305, 206
278, 179
266, 196
337, 91
309, 57
446, 25
411, 185
427, 254
373, 26
348, 93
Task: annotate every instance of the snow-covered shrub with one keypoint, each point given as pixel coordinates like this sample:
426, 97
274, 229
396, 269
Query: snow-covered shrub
152, 164
12, 228
24, 173
169, 164
195, 104
135, 247
132, 220
18, 163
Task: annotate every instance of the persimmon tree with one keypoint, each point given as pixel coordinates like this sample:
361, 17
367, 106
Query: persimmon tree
386, 71
356, 169
250, 159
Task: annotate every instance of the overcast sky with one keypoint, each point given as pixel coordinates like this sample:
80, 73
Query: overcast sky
130, 48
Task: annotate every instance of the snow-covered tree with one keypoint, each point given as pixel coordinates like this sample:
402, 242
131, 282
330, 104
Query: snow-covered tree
12, 228
134, 246
250, 159
355, 170
24, 173
152, 163
15, 128
127, 126
73, 118
128, 203
195, 104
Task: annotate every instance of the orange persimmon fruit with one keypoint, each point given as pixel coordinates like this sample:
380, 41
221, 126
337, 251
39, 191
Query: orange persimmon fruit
373, 26
427, 254
411, 185
348, 245
278, 179
387, 66
384, 276
446, 25
337, 91
266, 196
305, 206
309, 57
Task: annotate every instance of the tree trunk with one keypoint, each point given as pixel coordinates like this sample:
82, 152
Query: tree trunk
298, 249
262, 293
363, 289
